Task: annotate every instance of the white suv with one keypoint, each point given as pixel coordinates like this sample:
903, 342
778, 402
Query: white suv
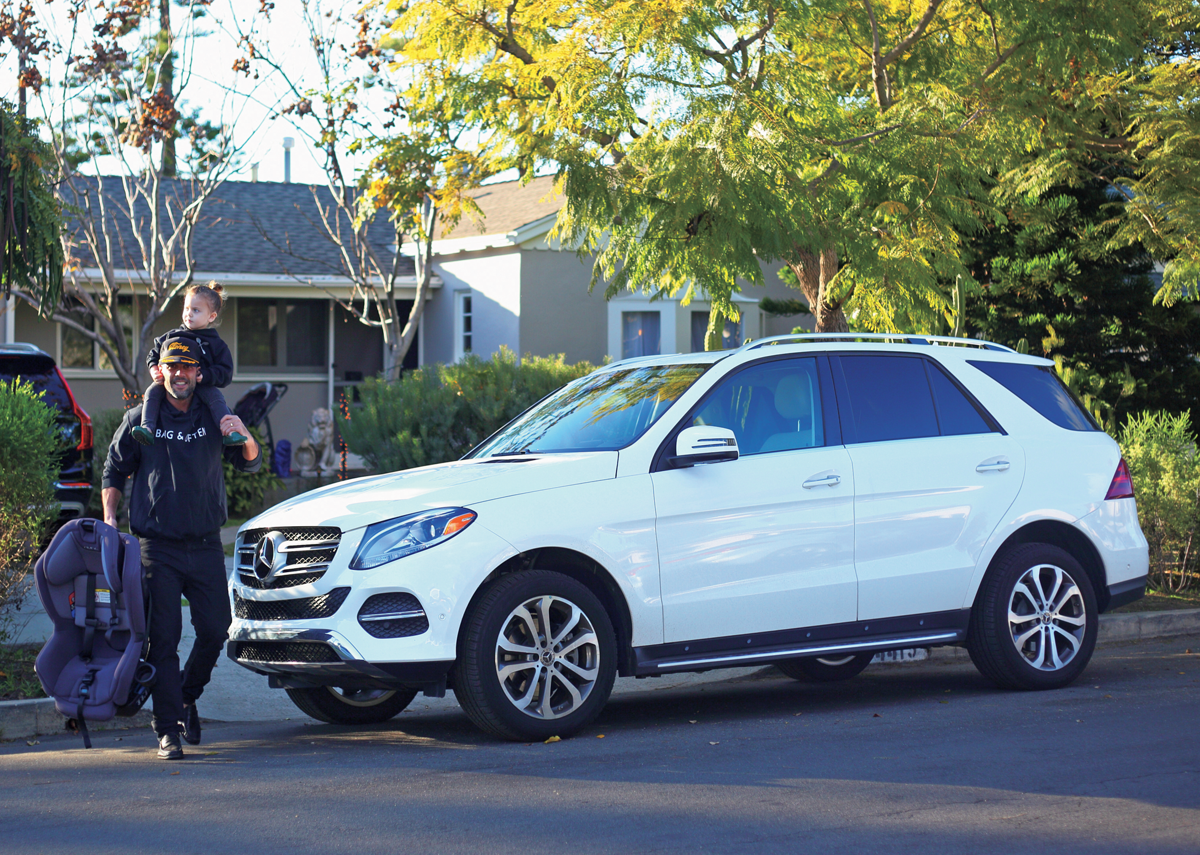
803, 501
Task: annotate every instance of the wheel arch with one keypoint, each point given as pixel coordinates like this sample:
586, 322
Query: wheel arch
583, 569
1066, 537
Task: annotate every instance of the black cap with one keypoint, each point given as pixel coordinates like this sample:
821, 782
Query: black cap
178, 350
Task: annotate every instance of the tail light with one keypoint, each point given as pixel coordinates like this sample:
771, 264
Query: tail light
1122, 485
85, 421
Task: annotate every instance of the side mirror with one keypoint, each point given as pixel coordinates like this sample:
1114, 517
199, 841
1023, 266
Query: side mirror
703, 444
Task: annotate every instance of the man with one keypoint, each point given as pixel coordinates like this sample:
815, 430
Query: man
177, 508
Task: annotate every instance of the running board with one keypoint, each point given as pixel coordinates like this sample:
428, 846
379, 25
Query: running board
929, 630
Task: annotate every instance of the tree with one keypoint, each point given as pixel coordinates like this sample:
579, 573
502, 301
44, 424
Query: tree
130, 233
418, 175
854, 141
1057, 285
30, 221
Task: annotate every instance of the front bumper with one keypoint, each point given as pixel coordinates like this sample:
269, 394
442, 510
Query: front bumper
318, 657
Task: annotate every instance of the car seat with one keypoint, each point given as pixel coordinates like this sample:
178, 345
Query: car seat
90, 583
794, 404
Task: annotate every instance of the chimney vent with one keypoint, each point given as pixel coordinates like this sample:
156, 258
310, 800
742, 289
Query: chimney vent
288, 143
254, 173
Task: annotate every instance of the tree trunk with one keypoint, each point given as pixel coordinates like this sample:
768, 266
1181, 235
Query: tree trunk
166, 81
814, 272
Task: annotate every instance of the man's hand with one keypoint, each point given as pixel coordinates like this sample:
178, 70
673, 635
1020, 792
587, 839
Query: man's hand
231, 423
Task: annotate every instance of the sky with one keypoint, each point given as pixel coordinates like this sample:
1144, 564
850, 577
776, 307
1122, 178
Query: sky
249, 107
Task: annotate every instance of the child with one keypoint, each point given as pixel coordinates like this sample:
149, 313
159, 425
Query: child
201, 307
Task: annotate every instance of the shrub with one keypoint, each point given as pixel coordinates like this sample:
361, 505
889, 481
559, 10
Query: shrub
440, 412
244, 491
29, 451
1161, 453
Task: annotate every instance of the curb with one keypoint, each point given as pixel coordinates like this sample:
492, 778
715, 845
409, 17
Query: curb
39, 717
26, 719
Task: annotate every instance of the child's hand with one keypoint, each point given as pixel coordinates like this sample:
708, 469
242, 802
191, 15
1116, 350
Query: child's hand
157, 374
199, 377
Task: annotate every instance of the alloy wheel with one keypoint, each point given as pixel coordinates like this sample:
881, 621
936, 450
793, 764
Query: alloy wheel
547, 657
1047, 617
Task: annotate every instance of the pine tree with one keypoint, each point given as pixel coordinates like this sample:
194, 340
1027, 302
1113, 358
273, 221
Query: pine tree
1054, 284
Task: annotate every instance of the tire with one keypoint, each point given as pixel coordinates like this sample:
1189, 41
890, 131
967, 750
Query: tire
349, 706
825, 669
515, 680
1034, 623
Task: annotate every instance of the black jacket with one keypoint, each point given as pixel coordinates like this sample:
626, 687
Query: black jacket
216, 362
178, 483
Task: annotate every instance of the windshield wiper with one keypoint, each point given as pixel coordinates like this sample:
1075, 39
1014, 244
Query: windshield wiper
512, 453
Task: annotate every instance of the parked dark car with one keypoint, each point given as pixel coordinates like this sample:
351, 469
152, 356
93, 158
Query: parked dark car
73, 489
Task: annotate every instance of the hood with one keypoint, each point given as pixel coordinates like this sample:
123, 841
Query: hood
463, 483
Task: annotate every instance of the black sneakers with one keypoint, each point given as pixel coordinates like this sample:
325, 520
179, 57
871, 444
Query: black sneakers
169, 747
191, 724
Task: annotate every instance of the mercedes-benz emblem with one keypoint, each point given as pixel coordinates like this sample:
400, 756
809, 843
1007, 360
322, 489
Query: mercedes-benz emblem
269, 557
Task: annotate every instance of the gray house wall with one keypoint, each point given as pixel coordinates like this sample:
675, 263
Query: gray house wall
558, 315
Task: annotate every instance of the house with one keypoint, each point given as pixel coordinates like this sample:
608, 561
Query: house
505, 281
500, 280
281, 274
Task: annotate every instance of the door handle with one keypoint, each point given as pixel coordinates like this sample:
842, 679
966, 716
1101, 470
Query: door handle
993, 466
826, 481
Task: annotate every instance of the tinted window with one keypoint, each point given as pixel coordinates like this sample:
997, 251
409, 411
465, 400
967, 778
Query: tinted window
39, 371
1039, 387
957, 414
889, 398
771, 406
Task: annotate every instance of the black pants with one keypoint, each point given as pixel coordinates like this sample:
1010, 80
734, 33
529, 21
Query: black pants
194, 569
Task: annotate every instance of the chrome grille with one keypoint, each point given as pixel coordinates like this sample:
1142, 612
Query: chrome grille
311, 608
309, 552
286, 651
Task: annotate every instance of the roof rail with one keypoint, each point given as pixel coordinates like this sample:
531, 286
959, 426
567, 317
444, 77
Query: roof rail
895, 338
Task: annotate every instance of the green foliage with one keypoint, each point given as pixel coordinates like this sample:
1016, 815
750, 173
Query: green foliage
783, 308
440, 412
31, 255
1056, 285
1163, 461
29, 449
244, 491
854, 141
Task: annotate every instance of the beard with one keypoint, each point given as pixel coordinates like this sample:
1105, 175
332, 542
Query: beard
181, 394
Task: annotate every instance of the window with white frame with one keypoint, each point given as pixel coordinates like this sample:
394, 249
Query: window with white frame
641, 334
282, 335
463, 325
78, 350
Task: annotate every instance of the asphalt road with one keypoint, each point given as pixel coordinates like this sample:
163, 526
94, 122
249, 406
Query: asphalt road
922, 757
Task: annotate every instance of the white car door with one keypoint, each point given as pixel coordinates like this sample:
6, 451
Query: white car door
764, 542
931, 482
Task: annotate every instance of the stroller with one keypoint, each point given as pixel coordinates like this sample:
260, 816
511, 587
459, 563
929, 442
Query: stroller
94, 664
255, 406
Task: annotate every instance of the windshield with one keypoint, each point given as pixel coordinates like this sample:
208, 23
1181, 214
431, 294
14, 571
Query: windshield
604, 411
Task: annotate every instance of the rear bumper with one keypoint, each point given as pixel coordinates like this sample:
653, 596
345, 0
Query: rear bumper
1124, 593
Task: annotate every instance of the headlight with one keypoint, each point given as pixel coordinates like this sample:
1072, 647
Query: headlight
391, 539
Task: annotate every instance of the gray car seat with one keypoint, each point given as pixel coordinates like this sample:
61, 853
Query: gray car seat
90, 583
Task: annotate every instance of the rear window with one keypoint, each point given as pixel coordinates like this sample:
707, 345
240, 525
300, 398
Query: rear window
39, 371
1039, 387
